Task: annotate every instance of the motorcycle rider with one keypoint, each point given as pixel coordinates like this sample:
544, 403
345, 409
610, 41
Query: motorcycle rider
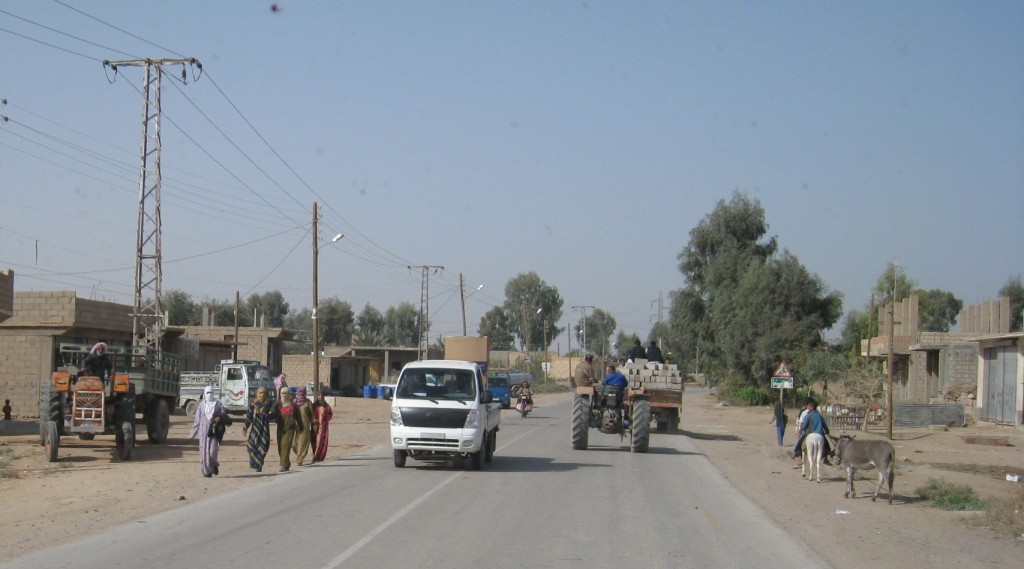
527, 393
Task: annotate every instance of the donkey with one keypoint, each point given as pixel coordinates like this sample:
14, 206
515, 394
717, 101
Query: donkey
814, 450
866, 455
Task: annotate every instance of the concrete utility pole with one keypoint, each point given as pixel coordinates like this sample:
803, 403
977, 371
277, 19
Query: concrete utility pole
463, 296
424, 344
148, 316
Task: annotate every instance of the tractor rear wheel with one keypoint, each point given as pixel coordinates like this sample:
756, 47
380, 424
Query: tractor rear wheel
580, 422
52, 441
158, 421
640, 426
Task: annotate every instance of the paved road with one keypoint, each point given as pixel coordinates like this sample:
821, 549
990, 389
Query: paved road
600, 508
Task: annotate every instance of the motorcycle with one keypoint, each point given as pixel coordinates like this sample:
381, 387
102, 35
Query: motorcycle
525, 404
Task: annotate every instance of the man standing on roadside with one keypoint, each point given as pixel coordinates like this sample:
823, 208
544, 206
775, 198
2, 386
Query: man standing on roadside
583, 376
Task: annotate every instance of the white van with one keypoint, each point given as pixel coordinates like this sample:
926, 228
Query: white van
442, 409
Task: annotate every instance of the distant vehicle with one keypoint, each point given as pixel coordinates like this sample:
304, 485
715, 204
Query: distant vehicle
234, 384
514, 378
501, 390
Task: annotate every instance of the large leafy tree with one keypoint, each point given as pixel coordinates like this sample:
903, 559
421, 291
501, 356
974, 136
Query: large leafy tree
401, 325
745, 306
525, 295
181, 309
269, 308
893, 281
370, 327
495, 325
939, 309
1014, 289
337, 322
600, 326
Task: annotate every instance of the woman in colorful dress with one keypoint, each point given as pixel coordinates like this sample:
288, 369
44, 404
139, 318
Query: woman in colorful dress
322, 415
210, 412
257, 424
304, 407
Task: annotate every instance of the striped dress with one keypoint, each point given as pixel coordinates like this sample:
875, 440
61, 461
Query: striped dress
257, 422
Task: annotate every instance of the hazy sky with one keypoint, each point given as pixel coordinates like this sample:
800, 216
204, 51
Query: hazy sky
579, 140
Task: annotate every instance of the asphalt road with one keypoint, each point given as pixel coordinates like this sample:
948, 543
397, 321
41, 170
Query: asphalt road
539, 504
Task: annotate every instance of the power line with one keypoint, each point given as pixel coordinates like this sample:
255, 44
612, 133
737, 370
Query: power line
56, 31
142, 39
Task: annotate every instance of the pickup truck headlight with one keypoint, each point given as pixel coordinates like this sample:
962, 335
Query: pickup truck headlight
396, 417
472, 419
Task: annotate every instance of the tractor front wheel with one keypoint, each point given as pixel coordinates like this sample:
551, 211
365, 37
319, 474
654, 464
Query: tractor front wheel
124, 440
52, 441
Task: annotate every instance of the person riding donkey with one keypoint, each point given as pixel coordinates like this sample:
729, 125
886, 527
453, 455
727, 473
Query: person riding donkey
812, 422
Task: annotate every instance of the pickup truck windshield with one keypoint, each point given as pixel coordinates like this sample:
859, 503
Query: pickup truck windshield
425, 383
495, 381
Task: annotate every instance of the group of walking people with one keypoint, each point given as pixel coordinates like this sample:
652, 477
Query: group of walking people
302, 425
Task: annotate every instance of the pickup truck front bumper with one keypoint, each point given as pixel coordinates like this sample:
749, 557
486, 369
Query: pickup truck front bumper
443, 441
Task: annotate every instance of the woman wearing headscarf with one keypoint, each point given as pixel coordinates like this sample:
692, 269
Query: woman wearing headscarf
304, 407
279, 382
210, 413
257, 424
322, 415
286, 415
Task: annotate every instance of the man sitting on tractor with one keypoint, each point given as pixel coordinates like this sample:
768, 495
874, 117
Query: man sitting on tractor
617, 380
97, 363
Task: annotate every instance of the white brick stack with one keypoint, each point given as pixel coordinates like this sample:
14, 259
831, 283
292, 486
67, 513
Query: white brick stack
652, 375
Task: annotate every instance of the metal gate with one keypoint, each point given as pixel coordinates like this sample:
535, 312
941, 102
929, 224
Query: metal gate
1000, 384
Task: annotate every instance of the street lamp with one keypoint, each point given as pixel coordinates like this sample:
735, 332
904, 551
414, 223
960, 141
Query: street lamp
316, 301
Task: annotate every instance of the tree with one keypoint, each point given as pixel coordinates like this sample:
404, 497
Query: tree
1014, 289
855, 329
401, 325
269, 308
624, 344
370, 327
938, 309
744, 306
525, 294
893, 281
181, 309
222, 313
336, 321
600, 327
495, 325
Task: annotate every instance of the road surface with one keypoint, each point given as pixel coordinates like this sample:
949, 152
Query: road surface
539, 504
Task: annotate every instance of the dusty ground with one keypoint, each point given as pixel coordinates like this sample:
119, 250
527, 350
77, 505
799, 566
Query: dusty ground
76, 490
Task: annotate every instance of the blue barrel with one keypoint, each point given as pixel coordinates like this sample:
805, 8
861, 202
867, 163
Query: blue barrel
366, 391
373, 391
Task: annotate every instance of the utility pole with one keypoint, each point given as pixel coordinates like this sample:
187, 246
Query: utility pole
891, 358
238, 301
583, 338
316, 303
147, 315
661, 306
424, 343
464, 296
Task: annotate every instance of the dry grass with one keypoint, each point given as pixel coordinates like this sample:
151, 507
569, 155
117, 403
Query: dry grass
1006, 516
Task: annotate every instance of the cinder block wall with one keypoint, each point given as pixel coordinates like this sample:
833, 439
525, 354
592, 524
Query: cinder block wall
25, 362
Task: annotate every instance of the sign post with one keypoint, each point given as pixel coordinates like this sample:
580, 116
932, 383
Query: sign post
782, 379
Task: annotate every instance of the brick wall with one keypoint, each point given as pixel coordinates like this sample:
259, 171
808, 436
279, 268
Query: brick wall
26, 360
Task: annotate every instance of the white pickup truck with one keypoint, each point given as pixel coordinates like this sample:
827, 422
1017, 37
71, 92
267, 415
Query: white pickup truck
441, 410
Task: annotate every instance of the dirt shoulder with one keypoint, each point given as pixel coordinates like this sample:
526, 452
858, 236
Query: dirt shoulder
78, 488
741, 443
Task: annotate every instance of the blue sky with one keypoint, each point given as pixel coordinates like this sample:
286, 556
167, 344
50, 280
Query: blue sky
579, 140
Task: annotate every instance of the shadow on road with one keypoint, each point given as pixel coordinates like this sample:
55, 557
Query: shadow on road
710, 436
508, 464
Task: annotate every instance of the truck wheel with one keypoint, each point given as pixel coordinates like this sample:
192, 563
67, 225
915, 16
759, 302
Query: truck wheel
478, 459
400, 456
190, 408
124, 440
158, 421
489, 444
580, 422
640, 428
52, 441
673, 421
516, 390
662, 425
